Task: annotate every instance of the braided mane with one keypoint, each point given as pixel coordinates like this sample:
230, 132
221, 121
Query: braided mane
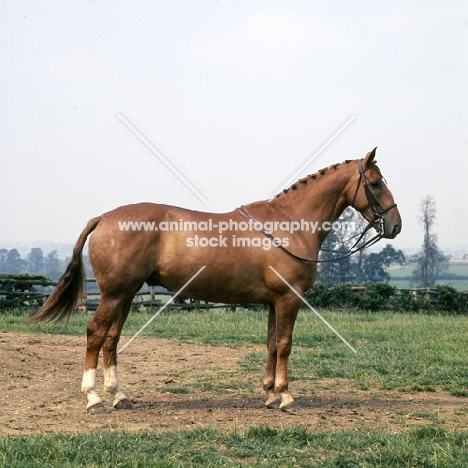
313, 176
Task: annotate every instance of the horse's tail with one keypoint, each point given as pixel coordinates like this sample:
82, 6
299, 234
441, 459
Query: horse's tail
70, 287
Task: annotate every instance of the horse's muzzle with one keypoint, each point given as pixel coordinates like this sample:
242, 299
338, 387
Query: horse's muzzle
395, 230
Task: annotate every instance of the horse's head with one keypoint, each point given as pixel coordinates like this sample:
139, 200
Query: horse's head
373, 199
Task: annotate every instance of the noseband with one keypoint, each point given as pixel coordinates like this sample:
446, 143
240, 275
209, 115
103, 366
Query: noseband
377, 221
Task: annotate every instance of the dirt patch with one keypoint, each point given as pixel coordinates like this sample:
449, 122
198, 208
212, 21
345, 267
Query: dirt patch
40, 379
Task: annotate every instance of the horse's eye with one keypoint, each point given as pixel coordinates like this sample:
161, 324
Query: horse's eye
375, 184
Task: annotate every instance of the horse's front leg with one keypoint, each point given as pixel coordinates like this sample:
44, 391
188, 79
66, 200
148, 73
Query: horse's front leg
287, 308
269, 375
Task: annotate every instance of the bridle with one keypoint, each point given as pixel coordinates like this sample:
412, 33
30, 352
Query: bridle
377, 221
377, 210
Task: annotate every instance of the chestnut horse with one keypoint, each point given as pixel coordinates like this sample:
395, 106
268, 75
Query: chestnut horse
125, 253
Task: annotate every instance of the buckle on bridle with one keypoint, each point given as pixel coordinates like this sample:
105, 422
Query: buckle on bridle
380, 221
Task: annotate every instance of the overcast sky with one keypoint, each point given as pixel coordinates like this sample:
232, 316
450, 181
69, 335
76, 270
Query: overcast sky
236, 95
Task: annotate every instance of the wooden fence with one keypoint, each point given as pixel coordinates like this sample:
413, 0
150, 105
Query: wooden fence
34, 292
29, 291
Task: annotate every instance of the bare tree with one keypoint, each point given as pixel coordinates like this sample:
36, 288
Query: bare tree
334, 268
431, 261
362, 266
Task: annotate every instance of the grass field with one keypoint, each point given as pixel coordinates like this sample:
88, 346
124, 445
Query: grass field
258, 446
402, 352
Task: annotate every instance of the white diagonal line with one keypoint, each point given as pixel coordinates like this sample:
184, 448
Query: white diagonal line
161, 309
314, 311
293, 178
161, 158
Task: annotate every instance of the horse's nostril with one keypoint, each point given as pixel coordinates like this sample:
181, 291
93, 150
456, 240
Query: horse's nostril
396, 230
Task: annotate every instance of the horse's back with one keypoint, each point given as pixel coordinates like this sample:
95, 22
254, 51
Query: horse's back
154, 243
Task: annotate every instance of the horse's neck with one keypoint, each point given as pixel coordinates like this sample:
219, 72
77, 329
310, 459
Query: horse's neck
320, 199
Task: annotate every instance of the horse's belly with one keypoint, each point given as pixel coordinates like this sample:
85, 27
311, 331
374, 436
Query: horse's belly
220, 278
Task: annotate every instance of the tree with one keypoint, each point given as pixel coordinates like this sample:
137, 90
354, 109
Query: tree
360, 257
3, 257
53, 266
375, 264
13, 262
35, 260
333, 268
430, 261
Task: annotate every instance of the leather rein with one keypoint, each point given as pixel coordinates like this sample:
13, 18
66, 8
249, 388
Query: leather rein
377, 219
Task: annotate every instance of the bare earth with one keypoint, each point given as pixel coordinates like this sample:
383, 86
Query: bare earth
40, 378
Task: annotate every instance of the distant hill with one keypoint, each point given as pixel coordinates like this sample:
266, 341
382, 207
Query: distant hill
456, 275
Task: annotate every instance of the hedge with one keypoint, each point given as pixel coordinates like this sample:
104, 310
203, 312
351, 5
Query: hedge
383, 296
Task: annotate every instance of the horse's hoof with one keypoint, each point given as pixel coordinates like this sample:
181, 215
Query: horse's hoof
98, 408
291, 408
273, 403
124, 404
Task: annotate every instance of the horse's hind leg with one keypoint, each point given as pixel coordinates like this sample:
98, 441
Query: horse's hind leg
109, 354
107, 313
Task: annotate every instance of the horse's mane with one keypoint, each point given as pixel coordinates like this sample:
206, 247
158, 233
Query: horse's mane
313, 176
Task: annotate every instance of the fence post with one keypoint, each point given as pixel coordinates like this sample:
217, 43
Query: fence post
152, 295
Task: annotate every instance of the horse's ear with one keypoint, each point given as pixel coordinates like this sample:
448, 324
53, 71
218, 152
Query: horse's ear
370, 157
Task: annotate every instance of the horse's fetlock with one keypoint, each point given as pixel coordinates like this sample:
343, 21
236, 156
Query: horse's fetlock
268, 385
